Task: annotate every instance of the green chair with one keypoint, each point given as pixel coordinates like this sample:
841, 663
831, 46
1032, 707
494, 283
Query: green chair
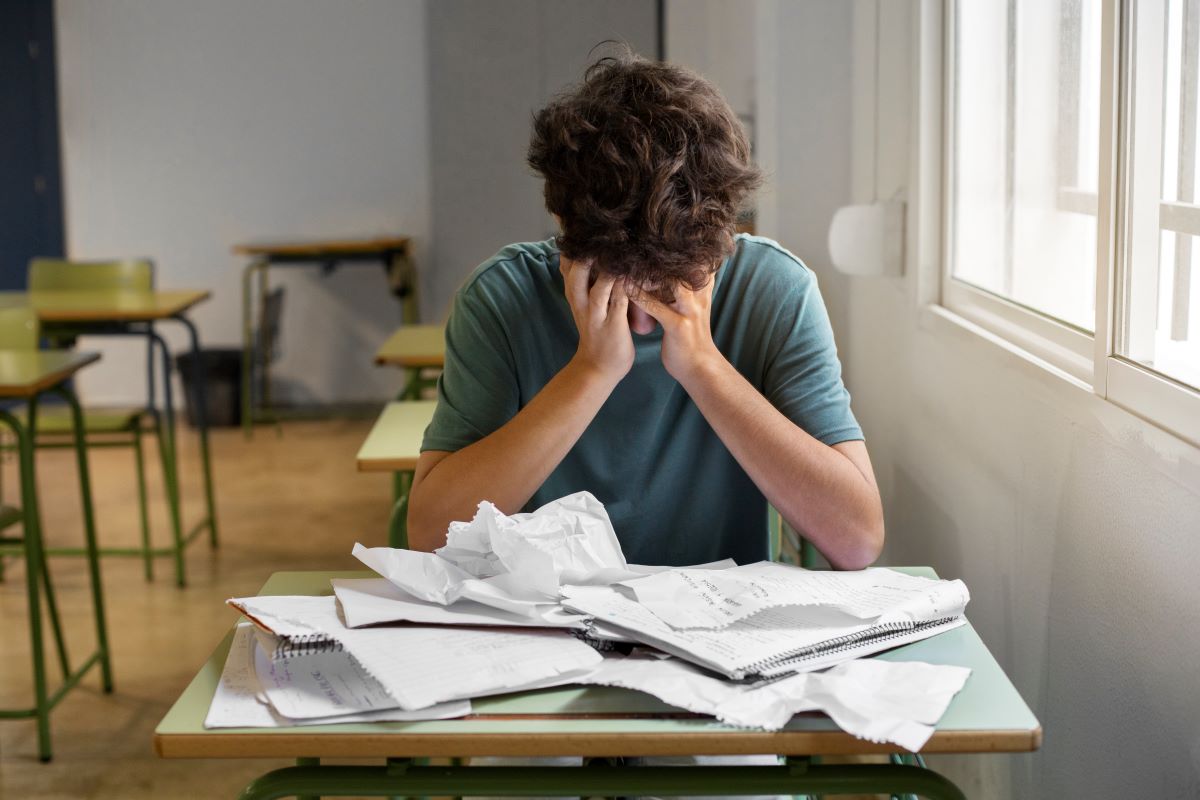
19, 331
117, 427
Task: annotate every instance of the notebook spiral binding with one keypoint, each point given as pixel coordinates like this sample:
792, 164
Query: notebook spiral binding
879, 633
306, 645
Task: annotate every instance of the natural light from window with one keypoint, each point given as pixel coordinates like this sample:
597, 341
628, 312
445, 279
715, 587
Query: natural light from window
1160, 323
1024, 153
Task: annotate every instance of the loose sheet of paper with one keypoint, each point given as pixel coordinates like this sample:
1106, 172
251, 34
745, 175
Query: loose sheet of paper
375, 601
238, 701
422, 666
686, 598
882, 701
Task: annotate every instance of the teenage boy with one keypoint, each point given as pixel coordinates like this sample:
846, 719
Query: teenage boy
684, 375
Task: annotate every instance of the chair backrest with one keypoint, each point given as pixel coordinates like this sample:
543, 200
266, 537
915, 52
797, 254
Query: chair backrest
270, 318
56, 274
19, 328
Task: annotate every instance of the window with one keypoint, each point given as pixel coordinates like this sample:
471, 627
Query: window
1159, 326
1072, 190
1023, 153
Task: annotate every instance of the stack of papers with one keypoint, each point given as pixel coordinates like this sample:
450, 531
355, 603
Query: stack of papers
528, 601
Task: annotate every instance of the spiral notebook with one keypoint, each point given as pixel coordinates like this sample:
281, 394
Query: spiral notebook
771, 644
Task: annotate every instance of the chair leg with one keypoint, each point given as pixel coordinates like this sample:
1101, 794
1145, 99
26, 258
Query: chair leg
398, 524
171, 487
89, 533
140, 468
199, 403
55, 621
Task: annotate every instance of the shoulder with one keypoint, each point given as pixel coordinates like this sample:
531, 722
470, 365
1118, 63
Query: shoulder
517, 271
762, 268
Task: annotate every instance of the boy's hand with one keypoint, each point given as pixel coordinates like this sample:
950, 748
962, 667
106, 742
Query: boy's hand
687, 347
602, 317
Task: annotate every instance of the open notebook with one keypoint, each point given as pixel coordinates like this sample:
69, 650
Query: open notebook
766, 621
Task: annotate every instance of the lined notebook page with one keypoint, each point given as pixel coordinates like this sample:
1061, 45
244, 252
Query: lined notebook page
420, 666
740, 648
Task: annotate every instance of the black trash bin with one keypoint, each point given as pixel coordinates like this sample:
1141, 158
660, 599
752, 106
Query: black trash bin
223, 387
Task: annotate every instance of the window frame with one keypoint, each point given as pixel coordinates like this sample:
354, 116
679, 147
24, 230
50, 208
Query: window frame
1092, 359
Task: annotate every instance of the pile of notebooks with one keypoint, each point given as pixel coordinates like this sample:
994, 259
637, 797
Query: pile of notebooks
547, 599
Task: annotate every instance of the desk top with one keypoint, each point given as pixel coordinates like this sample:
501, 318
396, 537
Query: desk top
324, 248
988, 715
105, 306
24, 373
394, 443
414, 346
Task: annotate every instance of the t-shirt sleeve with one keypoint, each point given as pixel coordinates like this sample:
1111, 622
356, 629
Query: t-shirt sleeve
803, 376
477, 391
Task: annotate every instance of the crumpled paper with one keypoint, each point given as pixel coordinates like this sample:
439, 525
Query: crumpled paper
515, 563
873, 699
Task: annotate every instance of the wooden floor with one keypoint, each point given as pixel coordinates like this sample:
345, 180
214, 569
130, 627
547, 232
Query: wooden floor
284, 502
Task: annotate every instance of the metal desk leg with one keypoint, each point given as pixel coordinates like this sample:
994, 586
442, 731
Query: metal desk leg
164, 422
258, 264
32, 536
398, 524
199, 398
617, 781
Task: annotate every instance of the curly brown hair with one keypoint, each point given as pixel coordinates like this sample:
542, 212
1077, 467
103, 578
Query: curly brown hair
647, 167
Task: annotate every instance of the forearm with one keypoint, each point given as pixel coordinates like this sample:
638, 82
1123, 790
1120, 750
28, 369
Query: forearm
507, 466
818, 490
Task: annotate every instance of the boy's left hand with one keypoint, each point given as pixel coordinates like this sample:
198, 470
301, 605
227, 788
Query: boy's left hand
687, 347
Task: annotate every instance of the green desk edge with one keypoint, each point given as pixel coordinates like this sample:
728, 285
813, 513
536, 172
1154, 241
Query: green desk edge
988, 701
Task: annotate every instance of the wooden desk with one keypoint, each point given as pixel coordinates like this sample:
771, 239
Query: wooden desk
393, 252
988, 715
329, 250
27, 374
105, 306
414, 347
135, 313
394, 443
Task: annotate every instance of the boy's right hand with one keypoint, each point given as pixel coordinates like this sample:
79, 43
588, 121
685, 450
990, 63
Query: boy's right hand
602, 317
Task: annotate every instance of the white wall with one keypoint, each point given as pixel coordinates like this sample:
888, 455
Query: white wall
492, 65
715, 38
1075, 525
188, 127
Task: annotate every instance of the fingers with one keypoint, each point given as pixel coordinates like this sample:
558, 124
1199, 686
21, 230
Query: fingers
599, 297
652, 305
575, 281
618, 308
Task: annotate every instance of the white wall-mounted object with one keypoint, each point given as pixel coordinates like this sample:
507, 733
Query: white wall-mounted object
868, 239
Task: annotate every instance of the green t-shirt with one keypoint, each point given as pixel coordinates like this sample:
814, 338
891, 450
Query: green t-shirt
675, 494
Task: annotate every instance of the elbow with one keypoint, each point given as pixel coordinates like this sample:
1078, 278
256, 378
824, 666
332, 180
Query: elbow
860, 546
422, 532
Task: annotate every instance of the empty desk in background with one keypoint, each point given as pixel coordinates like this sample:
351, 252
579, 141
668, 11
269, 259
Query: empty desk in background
26, 375
414, 348
393, 445
392, 252
135, 313
987, 716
